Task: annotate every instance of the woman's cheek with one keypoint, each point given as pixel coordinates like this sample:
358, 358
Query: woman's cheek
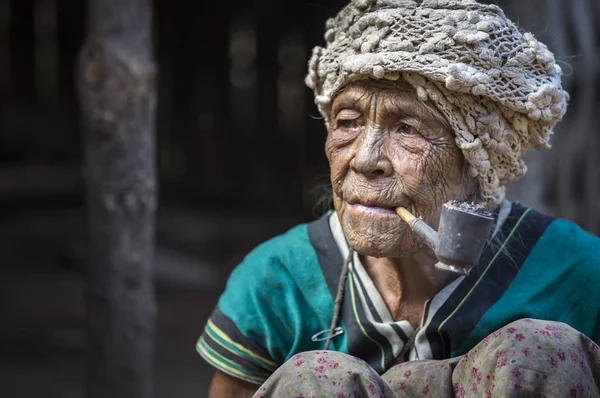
333, 154
339, 149
332, 145
407, 158
338, 168
443, 167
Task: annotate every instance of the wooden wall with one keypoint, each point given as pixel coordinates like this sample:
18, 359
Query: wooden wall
235, 122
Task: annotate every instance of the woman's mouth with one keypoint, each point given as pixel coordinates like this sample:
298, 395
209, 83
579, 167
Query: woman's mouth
373, 209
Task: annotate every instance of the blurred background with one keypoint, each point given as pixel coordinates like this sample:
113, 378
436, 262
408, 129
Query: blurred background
240, 159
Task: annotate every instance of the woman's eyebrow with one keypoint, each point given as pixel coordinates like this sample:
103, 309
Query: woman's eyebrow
344, 103
404, 107
350, 100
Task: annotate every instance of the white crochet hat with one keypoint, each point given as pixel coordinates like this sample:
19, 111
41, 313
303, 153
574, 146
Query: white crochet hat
499, 89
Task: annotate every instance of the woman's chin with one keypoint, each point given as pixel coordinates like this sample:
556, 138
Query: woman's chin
371, 251
392, 243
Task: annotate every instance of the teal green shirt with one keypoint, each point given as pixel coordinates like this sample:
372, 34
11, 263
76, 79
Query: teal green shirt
282, 294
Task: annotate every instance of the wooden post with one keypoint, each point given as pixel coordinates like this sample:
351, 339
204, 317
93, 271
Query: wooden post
116, 82
22, 50
71, 28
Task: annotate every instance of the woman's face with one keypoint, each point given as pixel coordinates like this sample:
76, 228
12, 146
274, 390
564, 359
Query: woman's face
386, 149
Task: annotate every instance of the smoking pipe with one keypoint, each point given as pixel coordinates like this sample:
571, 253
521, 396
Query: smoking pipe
462, 233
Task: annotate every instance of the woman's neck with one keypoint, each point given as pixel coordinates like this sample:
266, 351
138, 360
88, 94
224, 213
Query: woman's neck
405, 284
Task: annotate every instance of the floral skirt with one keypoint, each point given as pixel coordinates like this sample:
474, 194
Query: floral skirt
528, 358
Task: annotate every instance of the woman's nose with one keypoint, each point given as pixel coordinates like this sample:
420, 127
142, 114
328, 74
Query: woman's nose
369, 158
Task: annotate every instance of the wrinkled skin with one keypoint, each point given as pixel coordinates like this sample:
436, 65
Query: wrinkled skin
388, 149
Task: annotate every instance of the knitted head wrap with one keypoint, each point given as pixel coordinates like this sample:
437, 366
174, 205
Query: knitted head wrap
499, 89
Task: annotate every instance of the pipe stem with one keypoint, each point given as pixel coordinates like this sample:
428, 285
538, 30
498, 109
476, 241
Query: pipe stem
419, 227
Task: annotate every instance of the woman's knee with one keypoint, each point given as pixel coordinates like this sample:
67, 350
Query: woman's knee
324, 371
322, 362
529, 335
530, 356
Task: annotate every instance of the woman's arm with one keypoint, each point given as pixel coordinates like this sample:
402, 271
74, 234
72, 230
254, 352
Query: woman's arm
225, 386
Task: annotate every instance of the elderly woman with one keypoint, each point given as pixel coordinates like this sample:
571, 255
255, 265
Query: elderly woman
425, 101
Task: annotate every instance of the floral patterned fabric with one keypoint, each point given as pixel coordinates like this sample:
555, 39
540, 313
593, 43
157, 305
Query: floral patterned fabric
528, 358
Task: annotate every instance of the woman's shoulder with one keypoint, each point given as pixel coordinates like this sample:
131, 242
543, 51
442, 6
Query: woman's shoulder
567, 242
297, 245
560, 251
292, 257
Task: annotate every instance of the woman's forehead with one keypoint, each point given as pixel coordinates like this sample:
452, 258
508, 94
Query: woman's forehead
366, 89
390, 97
373, 85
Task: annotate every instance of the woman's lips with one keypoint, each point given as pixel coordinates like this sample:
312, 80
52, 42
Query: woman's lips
374, 209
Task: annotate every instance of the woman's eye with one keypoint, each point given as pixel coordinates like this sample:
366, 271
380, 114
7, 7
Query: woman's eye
347, 123
406, 129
